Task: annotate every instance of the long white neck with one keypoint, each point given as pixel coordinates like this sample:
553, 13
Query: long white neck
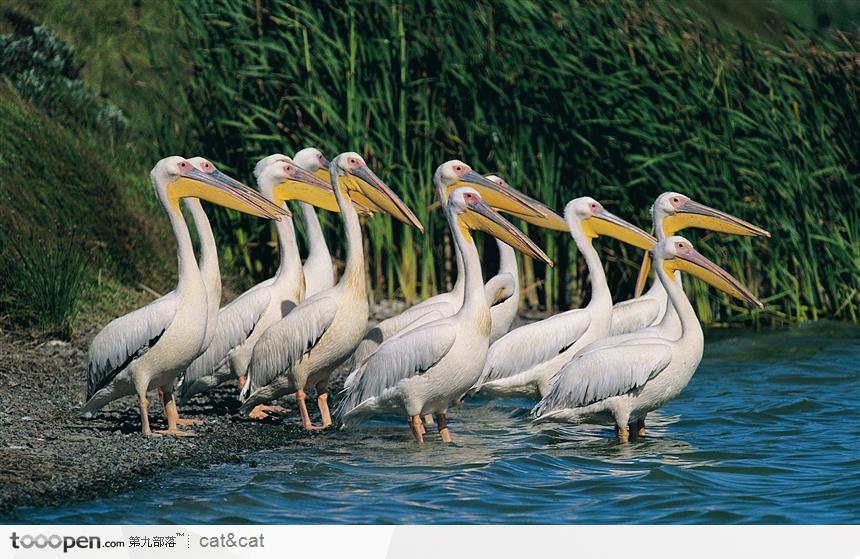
289, 274
474, 300
189, 272
690, 327
600, 294
208, 261
353, 272
208, 264
460, 279
508, 262
317, 247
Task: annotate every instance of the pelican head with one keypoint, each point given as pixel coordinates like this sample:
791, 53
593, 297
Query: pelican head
175, 178
674, 211
358, 181
282, 180
470, 213
313, 161
551, 220
455, 174
588, 216
677, 254
677, 212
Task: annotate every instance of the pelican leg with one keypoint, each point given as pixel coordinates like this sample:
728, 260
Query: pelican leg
172, 416
428, 419
444, 434
184, 421
417, 428
322, 404
622, 433
144, 414
409, 421
240, 382
303, 410
640, 428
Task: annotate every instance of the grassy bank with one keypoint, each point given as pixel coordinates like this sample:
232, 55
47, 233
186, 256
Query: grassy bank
600, 98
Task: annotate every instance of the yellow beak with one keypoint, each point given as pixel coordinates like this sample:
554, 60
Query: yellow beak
258, 198
605, 223
196, 184
363, 208
504, 199
372, 191
480, 216
305, 187
694, 214
694, 263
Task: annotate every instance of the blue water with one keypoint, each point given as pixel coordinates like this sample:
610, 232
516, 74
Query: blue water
768, 431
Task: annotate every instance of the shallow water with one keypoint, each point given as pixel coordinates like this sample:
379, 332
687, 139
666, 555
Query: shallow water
768, 431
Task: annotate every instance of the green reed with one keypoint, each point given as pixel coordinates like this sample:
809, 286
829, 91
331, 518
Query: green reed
616, 100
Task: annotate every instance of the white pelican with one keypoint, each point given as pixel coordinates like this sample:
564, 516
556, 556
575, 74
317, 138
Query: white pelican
671, 213
622, 378
421, 371
241, 323
148, 348
500, 290
303, 349
505, 311
318, 270
522, 361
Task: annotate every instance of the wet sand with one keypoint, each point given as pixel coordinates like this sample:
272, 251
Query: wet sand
49, 455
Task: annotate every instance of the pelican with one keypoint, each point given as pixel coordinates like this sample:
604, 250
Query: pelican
241, 323
671, 213
500, 290
303, 349
148, 348
508, 278
522, 361
421, 371
622, 378
318, 271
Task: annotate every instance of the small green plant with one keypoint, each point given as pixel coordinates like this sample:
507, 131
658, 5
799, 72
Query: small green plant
44, 71
43, 283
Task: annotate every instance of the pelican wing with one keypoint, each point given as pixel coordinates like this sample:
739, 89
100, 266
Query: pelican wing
126, 338
285, 343
401, 357
594, 375
359, 357
410, 318
632, 315
235, 324
532, 344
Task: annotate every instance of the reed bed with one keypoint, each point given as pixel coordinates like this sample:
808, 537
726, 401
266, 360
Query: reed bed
617, 100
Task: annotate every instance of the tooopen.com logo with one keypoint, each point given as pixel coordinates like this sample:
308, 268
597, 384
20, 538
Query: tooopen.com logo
55, 541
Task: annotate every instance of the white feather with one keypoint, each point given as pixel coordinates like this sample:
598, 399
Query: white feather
593, 375
532, 344
398, 358
127, 338
235, 323
287, 341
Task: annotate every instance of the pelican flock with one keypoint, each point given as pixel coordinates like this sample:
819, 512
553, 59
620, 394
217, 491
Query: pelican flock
288, 335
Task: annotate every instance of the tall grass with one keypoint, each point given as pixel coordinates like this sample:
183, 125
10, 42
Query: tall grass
617, 100
44, 283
